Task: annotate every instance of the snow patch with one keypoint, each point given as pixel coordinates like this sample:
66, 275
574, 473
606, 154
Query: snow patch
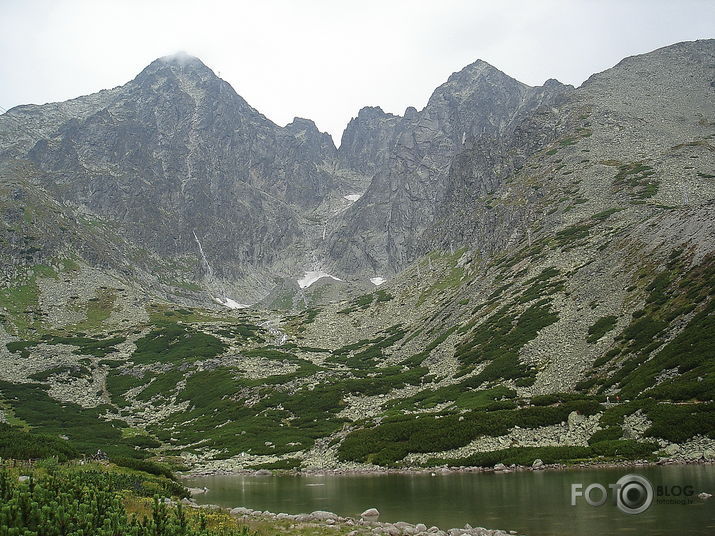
311, 277
377, 281
231, 304
352, 197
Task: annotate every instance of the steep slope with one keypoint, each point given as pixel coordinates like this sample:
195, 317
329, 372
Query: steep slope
380, 233
368, 140
175, 157
636, 136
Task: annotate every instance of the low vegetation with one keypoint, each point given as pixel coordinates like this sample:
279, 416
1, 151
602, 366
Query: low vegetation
392, 439
101, 501
609, 450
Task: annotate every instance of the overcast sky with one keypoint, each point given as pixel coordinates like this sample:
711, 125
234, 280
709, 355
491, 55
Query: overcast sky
325, 59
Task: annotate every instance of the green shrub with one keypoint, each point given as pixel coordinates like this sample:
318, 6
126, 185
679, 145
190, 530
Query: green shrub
20, 347
602, 326
611, 433
147, 466
21, 445
388, 442
174, 343
86, 345
678, 423
90, 502
606, 213
572, 234
74, 371
499, 340
556, 398
143, 442
542, 285
624, 448
628, 450
87, 430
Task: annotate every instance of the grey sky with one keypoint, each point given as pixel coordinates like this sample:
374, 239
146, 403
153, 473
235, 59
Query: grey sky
326, 59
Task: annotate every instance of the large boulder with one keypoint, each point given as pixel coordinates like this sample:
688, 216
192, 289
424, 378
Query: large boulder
371, 514
241, 511
322, 515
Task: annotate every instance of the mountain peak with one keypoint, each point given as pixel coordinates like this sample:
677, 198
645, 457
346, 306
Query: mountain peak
474, 70
302, 123
178, 62
372, 112
181, 59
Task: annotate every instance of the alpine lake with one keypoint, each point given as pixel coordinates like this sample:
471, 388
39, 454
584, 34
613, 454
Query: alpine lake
534, 503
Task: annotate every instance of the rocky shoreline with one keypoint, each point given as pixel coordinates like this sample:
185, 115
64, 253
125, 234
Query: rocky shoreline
366, 525
498, 468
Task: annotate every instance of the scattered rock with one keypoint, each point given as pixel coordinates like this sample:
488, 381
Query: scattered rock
322, 515
391, 530
371, 514
537, 463
240, 511
575, 419
404, 527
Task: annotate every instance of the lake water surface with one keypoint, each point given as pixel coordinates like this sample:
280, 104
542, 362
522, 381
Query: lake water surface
532, 503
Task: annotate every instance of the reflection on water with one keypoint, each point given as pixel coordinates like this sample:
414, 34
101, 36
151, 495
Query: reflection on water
533, 503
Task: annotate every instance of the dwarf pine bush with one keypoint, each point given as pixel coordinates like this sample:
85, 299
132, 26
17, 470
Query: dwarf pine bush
69, 504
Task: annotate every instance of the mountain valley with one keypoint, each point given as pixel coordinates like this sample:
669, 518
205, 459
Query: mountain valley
511, 274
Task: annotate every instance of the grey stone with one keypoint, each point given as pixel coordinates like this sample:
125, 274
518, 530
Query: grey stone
323, 515
370, 514
241, 511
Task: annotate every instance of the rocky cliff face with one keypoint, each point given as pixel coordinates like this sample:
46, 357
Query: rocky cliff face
635, 134
175, 157
368, 140
478, 105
